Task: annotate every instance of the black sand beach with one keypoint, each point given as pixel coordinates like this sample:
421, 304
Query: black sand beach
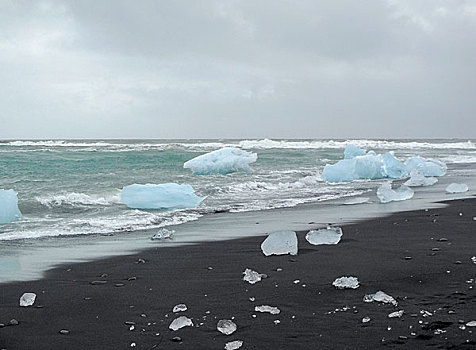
421, 258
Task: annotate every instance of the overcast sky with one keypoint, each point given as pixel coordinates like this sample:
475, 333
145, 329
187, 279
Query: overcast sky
238, 69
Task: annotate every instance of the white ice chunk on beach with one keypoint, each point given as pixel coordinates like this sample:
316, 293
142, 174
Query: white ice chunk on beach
163, 233
9, 211
396, 314
27, 299
180, 308
233, 345
352, 151
417, 179
180, 322
329, 235
346, 283
386, 194
252, 276
426, 166
279, 243
162, 196
457, 188
380, 297
226, 327
266, 308
223, 161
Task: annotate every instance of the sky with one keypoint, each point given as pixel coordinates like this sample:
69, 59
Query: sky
237, 69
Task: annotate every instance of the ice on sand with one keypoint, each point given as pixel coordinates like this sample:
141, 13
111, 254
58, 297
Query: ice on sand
9, 211
330, 235
380, 297
346, 283
163, 233
252, 276
352, 151
181, 322
279, 243
27, 299
386, 194
233, 345
223, 161
266, 308
426, 166
396, 314
179, 308
417, 179
162, 196
457, 188
226, 327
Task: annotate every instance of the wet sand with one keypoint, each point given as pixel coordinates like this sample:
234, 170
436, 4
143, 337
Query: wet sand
421, 258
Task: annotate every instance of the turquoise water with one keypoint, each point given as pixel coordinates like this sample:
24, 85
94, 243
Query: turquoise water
72, 187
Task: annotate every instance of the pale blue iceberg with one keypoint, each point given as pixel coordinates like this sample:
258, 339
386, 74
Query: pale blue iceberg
369, 166
162, 196
352, 151
394, 168
9, 211
386, 194
223, 161
426, 166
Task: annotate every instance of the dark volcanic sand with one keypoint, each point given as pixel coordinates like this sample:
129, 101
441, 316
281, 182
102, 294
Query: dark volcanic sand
373, 251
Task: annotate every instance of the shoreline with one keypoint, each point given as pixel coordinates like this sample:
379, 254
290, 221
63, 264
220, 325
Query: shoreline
406, 254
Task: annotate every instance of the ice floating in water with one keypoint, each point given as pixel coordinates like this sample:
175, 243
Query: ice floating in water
179, 308
457, 188
163, 196
226, 327
163, 233
357, 200
233, 345
252, 276
346, 283
426, 166
181, 322
417, 179
380, 297
27, 299
396, 314
9, 211
223, 161
352, 151
279, 243
266, 308
386, 194
330, 235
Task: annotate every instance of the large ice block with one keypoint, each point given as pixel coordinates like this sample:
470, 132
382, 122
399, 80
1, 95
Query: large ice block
426, 166
279, 243
223, 161
9, 211
417, 179
386, 194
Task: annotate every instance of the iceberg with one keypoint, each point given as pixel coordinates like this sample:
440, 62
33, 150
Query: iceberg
346, 283
394, 168
279, 243
352, 151
226, 327
9, 211
417, 179
457, 188
426, 166
330, 235
386, 194
223, 161
369, 166
163, 196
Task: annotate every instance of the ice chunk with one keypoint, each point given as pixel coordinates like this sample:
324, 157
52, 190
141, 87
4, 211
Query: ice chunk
233, 345
352, 151
162, 196
417, 179
330, 235
380, 297
252, 276
366, 319
394, 168
471, 324
457, 188
426, 166
226, 327
181, 322
27, 299
9, 211
346, 283
163, 233
266, 308
369, 166
180, 308
279, 243
356, 200
396, 314
386, 194
223, 161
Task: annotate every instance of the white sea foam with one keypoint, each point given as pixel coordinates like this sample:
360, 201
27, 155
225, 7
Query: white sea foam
78, 199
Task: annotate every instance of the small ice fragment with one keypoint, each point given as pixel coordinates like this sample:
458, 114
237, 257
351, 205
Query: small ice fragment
471, 324
266, 308
226, 327
276, 322
425, 313
252, 276
181, 322
279, 243
366, 319
380, 297
223, 161
163, 233
396, 314
417, 179
386, 194
456, 188
27, 299
179, 308
346, 283
357, 200
233, 345
296, 281
473, 259
9, 211
331, 235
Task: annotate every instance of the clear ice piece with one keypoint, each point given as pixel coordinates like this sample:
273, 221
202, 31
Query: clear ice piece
252, 276
279, 243
329, 235
346, 283
226, 327
417, 179
396, 314
386, 194
181, 322
233, 345
426, 166
9, 211
163, 233
366, 319
223, 161
266, 308
380, 297
179, 308
27, 299
457, 188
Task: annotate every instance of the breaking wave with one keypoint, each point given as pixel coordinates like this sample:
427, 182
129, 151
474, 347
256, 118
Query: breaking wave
78, 199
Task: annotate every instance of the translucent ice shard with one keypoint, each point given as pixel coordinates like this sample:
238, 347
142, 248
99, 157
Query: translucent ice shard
266, 308
9, 211
380, 297
252, 276
457, 188
426, 166
352, 151
394, 168
180, 322
386, 194
330, 235
163, 233
27, 299
471, 324
396, 314
233, 345
223, 161
346, 283
417, 179
179, 308
279, 243
226, 327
